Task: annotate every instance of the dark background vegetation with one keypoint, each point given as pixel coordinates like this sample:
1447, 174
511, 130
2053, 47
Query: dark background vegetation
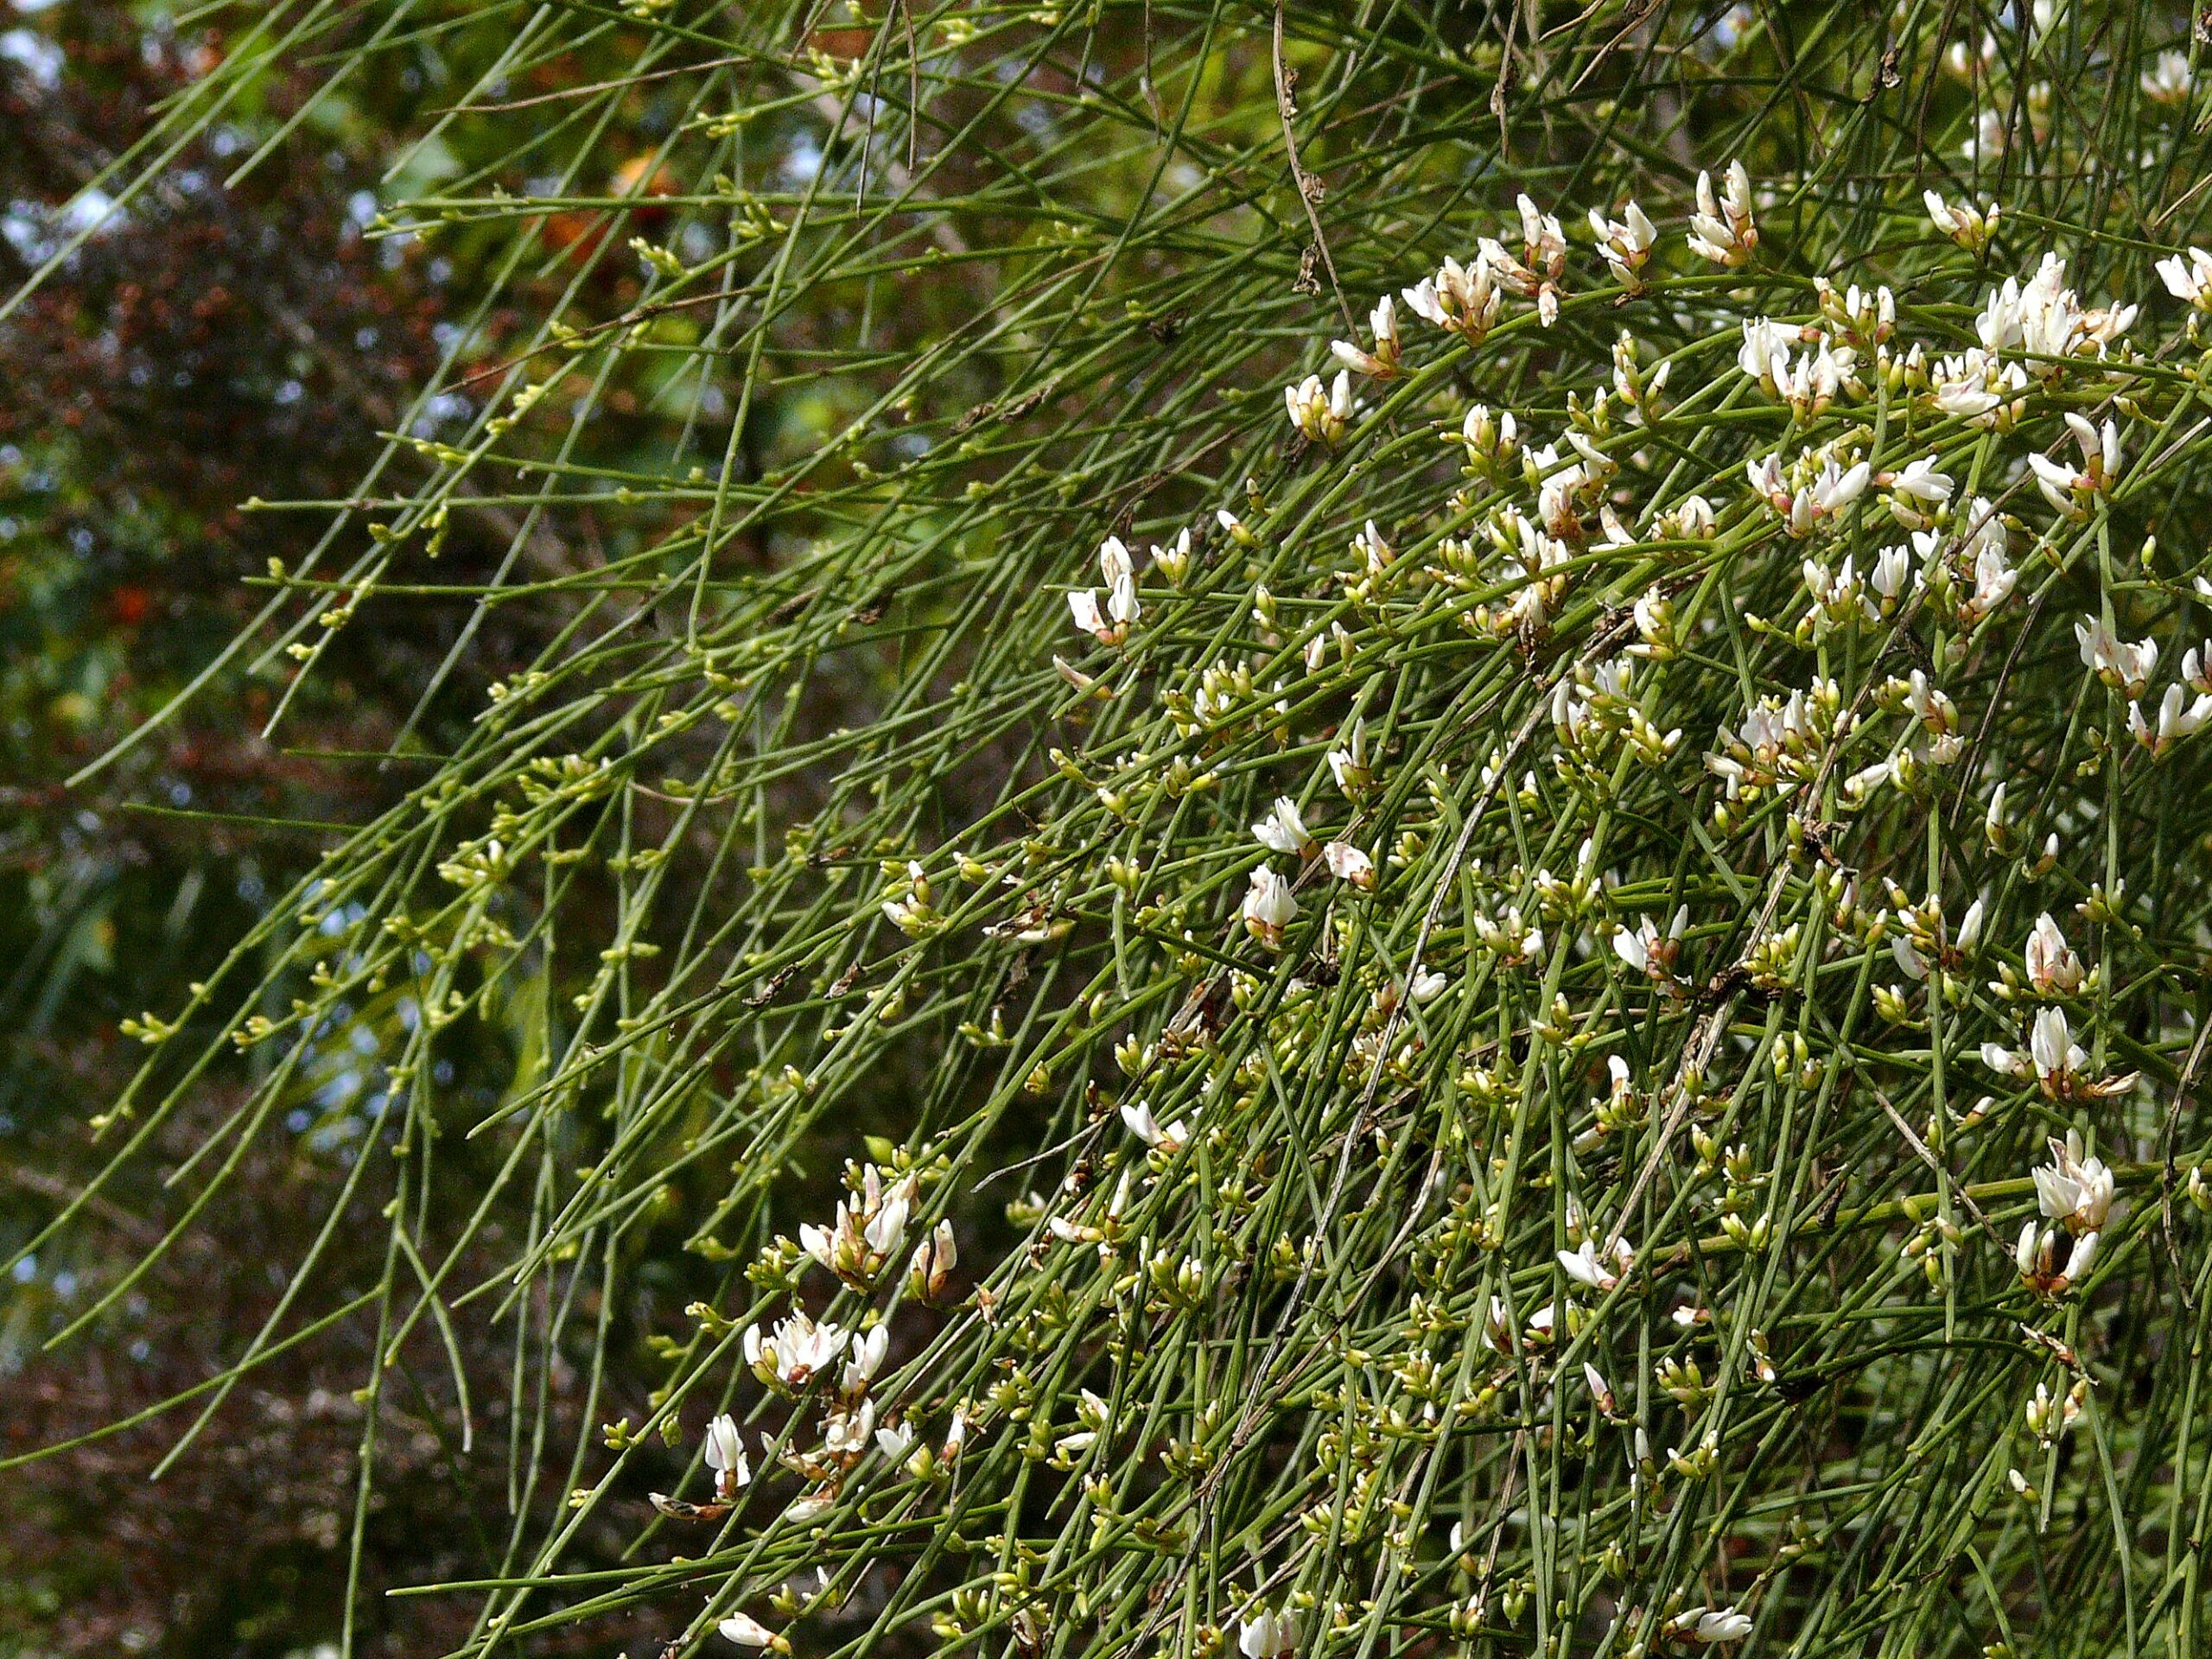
214, 342
233, 339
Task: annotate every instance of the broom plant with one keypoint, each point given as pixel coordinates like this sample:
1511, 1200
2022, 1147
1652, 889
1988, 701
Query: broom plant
1369, 828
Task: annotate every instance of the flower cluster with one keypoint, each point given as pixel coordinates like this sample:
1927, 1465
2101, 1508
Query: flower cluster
1900, 486
1516, 845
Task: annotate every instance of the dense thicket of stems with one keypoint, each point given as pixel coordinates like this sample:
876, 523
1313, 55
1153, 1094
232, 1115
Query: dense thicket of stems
1567, 1022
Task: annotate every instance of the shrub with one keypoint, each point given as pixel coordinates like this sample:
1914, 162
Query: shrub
1522, 976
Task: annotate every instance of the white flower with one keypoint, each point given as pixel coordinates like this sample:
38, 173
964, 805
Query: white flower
1283, 830
2053, 969
1977, 387
2072, 1190
1916, 491
1322, 415
1571, 713
749, 1633
2176, 720
1543, 258
1347, 764
1586, 1265
1991, 137
1655, 627
1930, 704
1543, 244
2167, 80
1993, 579
1864, 317
1513, 939
1347, 863
1111, 626
1115, 563
1892, 575
1920, 479
795, 1352
2036, 1255
865, 1359
1764, 473
1426, 301
2044, 318
1173, 562
2123, 667
2197, 668
725, 1454
934, 1259
867, 1230
1809, 382
1268, 1634
1638, 389
1269, 907
1427, 986
2048, 1417
2051, 1046
1773, 738
1693, 521
809, 1506
1836, 488
1600, 1390
1460, 298
1837, 595
1375, 554
1562, 488
2067, 487
846, 1431
889, 1224
1626, 243
1711, 1625
1489, 442
911, 908
1648, 952
1765, 339
1810, 503
1382, 362
1619, 1088
1969, 226
2188, 276
1721, 230
1138, 1118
